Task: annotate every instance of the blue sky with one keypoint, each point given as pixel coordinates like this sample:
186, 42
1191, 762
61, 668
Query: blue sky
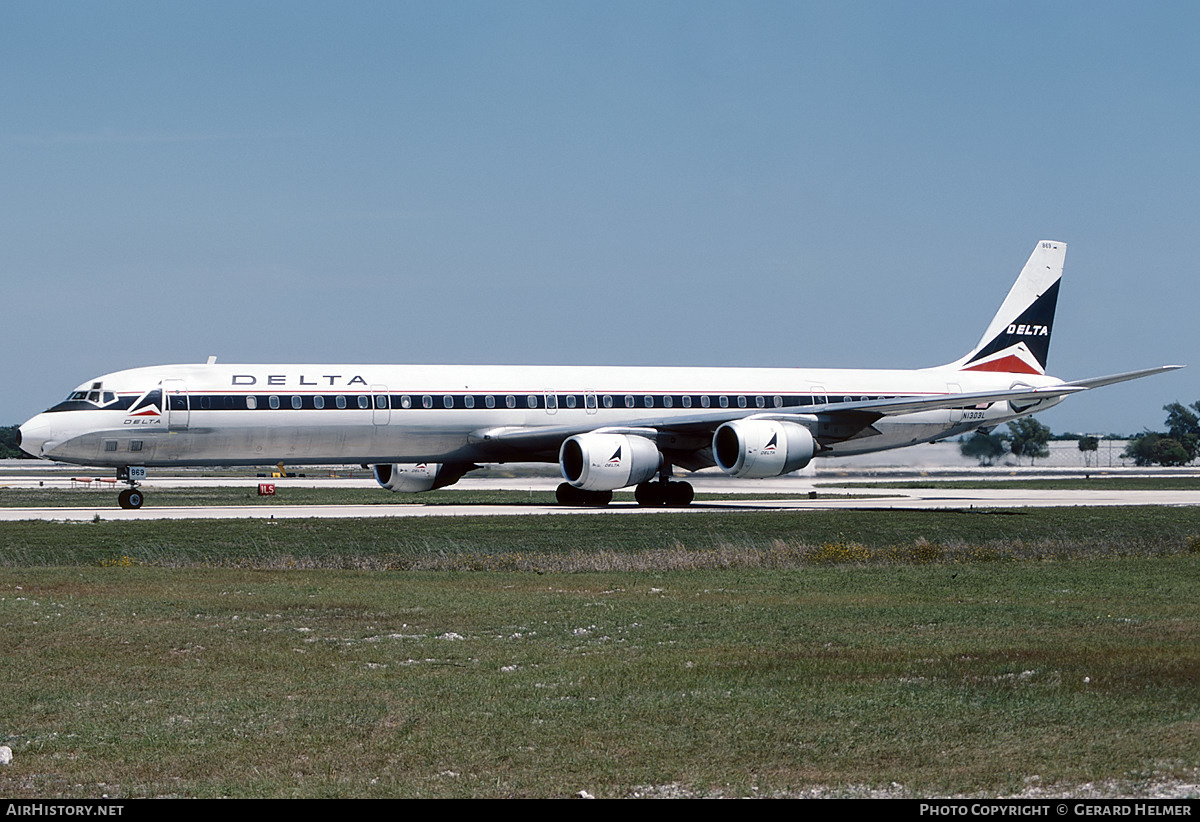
684, 183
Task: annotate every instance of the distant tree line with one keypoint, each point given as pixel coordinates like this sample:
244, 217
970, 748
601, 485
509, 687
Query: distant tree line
1026, 437
1178, 445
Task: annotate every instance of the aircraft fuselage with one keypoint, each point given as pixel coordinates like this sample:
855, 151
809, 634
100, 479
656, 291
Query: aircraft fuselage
319, 414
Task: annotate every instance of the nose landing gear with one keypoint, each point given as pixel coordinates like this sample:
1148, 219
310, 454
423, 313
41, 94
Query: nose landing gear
131, 497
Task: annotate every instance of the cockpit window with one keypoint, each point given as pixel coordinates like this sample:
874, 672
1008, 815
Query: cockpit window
95, 396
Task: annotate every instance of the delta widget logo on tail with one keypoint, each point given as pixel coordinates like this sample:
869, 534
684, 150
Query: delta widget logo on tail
1023, 345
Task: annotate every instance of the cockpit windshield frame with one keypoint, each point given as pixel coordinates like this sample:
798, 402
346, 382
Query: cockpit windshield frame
94, 396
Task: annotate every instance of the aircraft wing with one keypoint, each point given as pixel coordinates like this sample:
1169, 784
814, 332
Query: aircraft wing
692, 431
913, 405
835, 421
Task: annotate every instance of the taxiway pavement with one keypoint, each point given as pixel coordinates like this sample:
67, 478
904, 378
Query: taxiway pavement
103, 504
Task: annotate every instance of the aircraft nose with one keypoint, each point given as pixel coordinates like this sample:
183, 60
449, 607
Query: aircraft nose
35, 435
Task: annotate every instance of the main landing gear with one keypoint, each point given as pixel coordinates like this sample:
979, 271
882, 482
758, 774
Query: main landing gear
568, 494
663, 492
131, 497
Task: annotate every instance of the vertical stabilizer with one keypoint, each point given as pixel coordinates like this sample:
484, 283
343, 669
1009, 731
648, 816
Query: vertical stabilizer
1017, 341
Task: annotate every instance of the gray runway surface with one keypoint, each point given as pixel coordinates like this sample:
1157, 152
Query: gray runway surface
103, 503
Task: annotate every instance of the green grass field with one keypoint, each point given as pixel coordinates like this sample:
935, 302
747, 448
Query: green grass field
735, 654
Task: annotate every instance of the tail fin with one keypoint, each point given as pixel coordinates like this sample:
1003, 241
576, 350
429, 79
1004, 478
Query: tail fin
1017, 341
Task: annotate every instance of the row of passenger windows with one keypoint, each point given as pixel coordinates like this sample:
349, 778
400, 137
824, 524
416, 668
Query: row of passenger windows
547, 401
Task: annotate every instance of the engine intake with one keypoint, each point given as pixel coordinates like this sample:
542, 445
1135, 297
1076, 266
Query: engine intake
410, 478
754, 449
606, 462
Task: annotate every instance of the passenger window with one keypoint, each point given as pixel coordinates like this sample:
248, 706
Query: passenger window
427, 402
468, 401
489, 401
510, 401
318, 401
705, 401
448, 401
297, 403
364, 402
273, 401
724, 401
531, 401
405, 401
340, 401
251, 403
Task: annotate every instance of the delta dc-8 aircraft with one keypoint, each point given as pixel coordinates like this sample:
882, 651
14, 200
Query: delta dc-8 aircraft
424, 426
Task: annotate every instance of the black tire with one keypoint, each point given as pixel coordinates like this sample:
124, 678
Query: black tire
649, 494
568, 494
597, 499
131, 499
680, 494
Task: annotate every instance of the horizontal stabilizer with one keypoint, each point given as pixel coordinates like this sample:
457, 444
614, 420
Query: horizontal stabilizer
1112, 379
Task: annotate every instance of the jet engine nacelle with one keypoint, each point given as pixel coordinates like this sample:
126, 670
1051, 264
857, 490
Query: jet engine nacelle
412, 478
753, 449
606, 462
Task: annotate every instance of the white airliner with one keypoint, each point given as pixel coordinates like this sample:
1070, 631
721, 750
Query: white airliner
424, 426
